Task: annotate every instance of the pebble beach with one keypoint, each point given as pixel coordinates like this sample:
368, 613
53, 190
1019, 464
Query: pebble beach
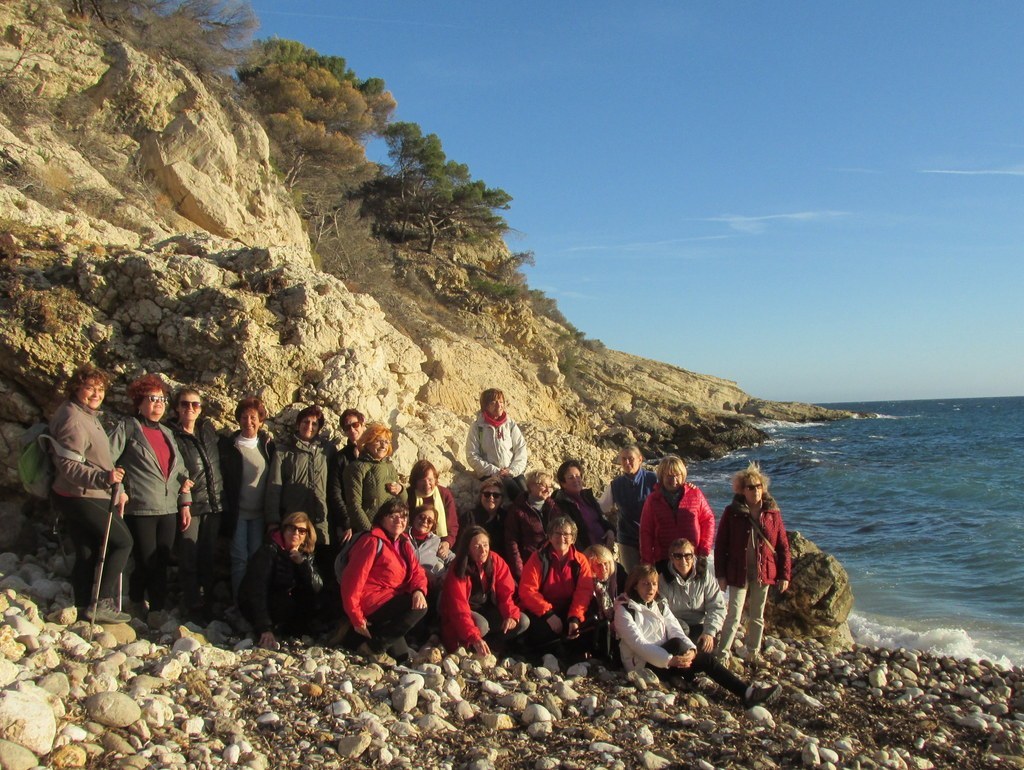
169, 695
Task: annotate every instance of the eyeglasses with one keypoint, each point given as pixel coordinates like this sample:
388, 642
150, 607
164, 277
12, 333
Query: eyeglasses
684, 556
351, 425
397, 515
492, 495
190, 404
157, 399
752, 487
300, 530
563, 534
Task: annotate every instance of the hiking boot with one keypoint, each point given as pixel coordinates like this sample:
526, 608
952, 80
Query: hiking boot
757, 696
106, 611
377, 656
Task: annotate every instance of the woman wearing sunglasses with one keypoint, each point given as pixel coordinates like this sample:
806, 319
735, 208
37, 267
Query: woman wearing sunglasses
751, 555
158, 488
278, 592
488, 512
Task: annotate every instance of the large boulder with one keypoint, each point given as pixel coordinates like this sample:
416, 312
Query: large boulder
819, 598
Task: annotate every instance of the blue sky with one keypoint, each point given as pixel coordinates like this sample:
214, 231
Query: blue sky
821, 201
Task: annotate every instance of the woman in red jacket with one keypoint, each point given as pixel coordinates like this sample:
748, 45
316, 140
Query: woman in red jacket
478, 598
751, 555
556, 587
673, 510
383, 586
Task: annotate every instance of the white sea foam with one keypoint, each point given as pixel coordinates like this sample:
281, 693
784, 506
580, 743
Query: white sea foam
938, 640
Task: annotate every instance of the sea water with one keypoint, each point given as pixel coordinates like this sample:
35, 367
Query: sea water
924, 507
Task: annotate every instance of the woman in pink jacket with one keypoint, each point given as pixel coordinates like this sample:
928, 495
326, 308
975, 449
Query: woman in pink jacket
478, 599
673, 510
383, 586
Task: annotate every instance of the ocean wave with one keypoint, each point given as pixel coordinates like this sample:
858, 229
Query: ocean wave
769, 425
939, 640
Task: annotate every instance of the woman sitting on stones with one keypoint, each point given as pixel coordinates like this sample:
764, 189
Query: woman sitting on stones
478, 600
245, 459
278, 592
495, 446
425, 540
371, 479
423, 488
383, 586
675, 509
579, 504
157, 483
556, 589
199, 445
751, 555
84, 490
608, 582
650, 635
488, 513
526, 520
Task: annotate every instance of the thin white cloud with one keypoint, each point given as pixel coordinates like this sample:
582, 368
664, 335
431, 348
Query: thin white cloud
746, 224
1012, 171
642, 246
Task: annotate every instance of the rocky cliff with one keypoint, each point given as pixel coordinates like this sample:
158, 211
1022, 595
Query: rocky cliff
144, 228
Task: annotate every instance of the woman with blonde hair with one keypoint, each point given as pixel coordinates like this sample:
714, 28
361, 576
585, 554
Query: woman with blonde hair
674, 509
751, 555
278, 592
371, 480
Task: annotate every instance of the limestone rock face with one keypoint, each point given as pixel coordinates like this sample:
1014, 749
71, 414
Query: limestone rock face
819, 598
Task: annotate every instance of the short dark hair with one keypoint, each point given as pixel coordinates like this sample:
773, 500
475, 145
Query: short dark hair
564, 468
635, 574
351, 413
419, 472
254, 403
393, 505
311, 411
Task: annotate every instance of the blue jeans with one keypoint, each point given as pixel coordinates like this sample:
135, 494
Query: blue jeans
245, 542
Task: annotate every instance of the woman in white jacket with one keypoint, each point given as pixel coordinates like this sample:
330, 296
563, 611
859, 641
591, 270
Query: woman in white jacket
650, 635
495, 446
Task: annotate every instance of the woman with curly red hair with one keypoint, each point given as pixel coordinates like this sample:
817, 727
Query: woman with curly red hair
157, 484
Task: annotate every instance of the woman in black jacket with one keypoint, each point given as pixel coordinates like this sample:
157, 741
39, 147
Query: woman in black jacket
198, 443
278, 592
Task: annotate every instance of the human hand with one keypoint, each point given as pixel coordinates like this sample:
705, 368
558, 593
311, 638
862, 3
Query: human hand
267, 640
682, 661
706, 643
444, 549
186, 517
504, 473
345, 534
573, 630
362, 630
508, 624
116, 476
555, 624
480, 647
297, 556
121, 503
394, 488
783, 586
419, 601
186, 485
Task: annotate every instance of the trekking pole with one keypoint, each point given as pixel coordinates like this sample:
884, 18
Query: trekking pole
115, 491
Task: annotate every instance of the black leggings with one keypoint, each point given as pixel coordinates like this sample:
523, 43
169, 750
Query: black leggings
389, 624
154, 538
196, 551
704, 662
85, 519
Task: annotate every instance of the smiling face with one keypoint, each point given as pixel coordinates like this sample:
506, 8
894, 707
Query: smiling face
353, 428
294, 535
601, 568
479, 549
395, 523
250, 423
91, 393
423, 522
562, 540
378, 449
425, 486
539, 490
572, 481
630, 460
495, 407
683, 559
307, 428
490, 499
673, 479
188, 408
153, 405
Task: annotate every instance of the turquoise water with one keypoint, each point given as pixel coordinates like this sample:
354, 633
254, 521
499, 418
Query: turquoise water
924, 506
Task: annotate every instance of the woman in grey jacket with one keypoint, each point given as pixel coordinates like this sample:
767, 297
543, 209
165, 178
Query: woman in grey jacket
82, 491
158, 489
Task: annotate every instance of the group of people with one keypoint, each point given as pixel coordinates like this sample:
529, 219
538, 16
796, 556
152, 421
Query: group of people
327, 539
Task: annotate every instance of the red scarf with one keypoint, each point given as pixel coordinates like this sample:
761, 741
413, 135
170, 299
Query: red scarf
496, 423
